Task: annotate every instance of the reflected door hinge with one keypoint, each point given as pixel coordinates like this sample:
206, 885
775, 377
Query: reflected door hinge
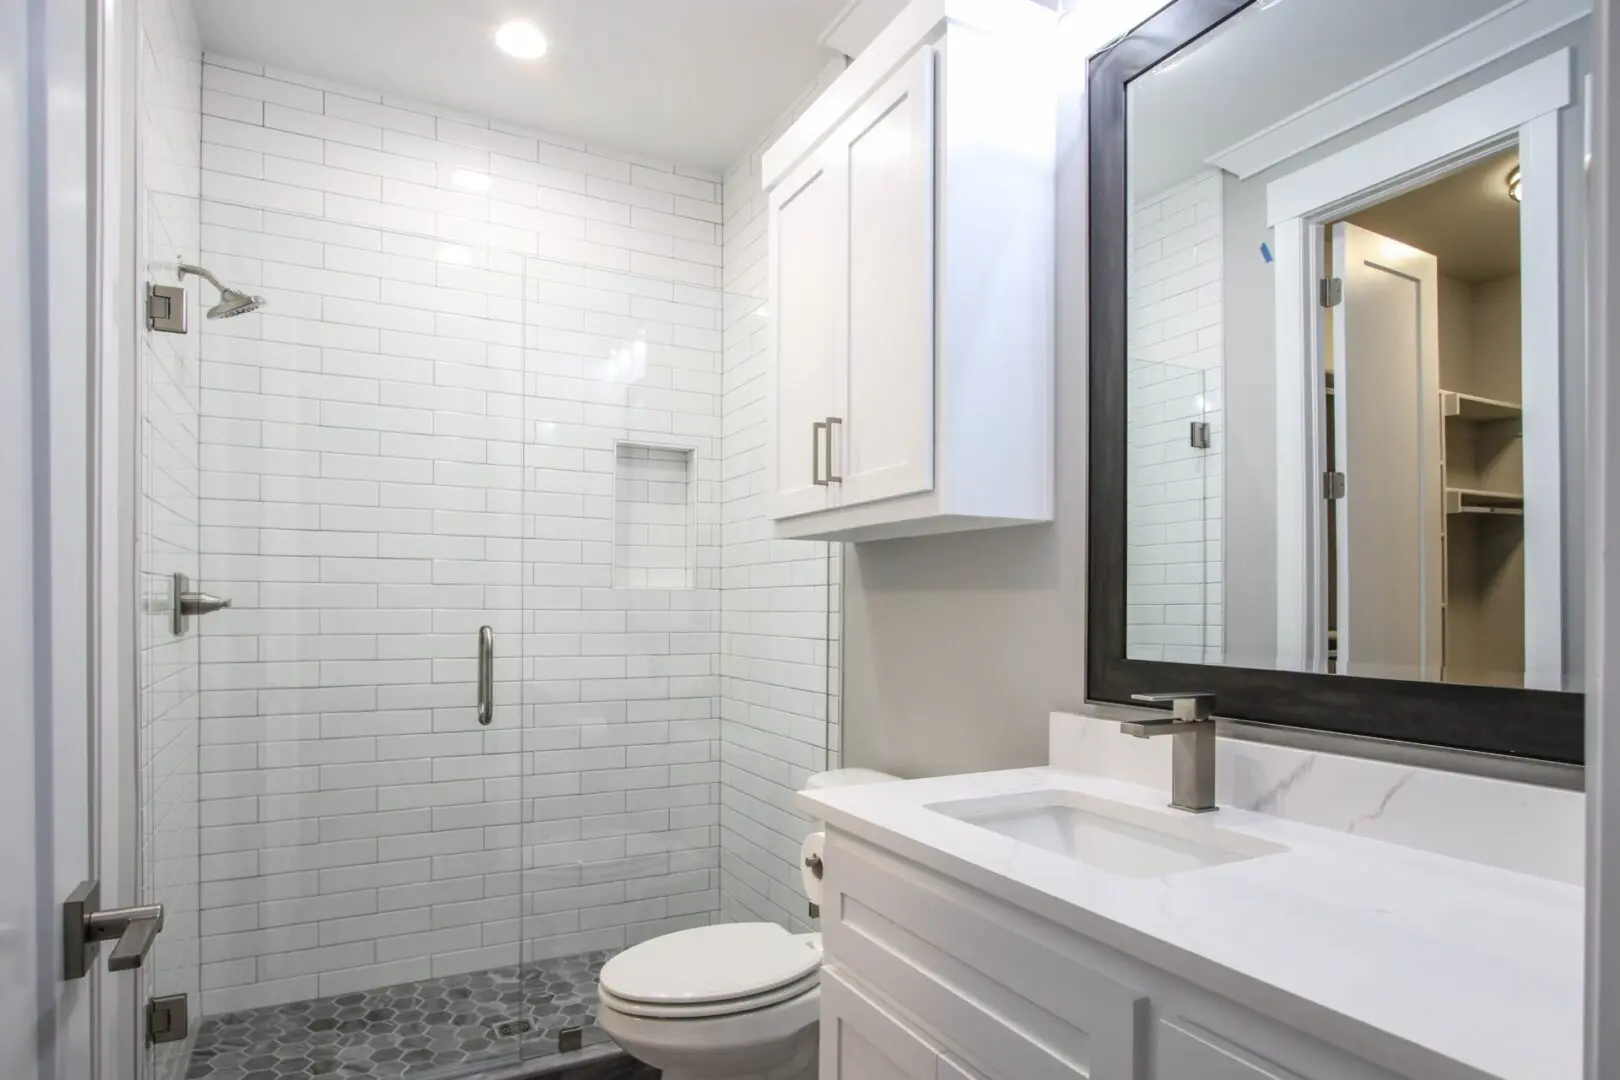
1333, 485
1331, 291
1200, 435
167, 1019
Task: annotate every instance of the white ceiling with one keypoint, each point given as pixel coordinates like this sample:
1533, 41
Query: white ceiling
693, 82
1264, 65
1465, 220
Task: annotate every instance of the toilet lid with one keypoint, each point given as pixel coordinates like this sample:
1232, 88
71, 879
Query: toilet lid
710, 963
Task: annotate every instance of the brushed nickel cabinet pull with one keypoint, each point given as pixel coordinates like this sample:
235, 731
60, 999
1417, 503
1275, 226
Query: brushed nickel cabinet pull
815, 453
832, 476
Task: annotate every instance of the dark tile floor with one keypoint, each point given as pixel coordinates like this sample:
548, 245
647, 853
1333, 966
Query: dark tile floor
441, 1029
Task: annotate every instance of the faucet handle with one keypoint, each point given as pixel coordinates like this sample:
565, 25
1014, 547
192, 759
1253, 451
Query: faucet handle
1188, 706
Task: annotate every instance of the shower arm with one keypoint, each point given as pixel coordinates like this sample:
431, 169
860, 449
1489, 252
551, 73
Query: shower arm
187, 268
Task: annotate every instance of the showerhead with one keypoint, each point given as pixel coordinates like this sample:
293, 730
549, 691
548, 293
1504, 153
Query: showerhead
231, 302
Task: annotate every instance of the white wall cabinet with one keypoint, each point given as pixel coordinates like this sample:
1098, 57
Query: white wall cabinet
924, 977
910, 257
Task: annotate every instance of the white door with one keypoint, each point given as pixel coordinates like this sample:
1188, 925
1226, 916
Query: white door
884, 432
1385, 355
862, 1040
46, 1023
808, 275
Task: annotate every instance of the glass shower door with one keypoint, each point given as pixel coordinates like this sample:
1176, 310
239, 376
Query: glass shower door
359, 825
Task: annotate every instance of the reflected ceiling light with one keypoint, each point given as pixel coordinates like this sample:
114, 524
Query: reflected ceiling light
522, 40
1514, 191
472, 181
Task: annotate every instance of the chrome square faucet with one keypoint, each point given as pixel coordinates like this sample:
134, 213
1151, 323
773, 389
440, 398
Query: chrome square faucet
1192, 755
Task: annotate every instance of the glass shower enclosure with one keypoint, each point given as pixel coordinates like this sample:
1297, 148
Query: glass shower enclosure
422, 456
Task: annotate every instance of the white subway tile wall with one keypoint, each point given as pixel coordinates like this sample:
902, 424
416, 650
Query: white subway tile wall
1173, 489
780, 622
166, 187
419, 436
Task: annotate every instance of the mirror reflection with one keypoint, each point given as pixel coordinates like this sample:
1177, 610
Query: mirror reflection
1355, 349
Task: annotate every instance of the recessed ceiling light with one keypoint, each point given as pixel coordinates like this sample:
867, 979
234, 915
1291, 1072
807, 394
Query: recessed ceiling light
522, 40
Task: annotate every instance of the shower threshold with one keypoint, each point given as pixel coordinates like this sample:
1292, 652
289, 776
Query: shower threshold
503, 1024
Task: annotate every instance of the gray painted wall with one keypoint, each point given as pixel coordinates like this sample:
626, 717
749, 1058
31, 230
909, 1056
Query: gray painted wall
958, 647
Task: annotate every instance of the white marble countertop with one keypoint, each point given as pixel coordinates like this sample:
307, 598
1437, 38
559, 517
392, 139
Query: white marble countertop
1419, 963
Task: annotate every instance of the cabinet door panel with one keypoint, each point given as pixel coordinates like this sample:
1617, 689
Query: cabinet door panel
862, 1040
887, 438
807, 271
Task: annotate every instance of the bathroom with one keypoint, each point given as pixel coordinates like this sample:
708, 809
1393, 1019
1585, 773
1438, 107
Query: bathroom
444, 659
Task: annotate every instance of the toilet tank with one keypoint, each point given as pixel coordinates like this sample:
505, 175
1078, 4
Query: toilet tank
846, 778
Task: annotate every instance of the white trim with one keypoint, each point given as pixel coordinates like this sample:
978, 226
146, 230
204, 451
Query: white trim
1542, 363
1301, 569
1437, 64
1377, 167
1540, 87
1602, 572
116, 454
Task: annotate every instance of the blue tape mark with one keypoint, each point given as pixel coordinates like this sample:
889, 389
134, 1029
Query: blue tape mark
1265, 252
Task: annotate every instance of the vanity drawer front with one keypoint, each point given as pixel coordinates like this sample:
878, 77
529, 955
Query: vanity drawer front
1188, 1052
1005, 1001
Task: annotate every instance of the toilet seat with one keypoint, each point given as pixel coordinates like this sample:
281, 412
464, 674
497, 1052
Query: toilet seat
728, 1007
711, 971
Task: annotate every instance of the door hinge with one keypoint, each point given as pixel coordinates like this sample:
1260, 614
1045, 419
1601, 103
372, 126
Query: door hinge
1333, 485
1200, 435
1331, 291
166, 309
167, 1019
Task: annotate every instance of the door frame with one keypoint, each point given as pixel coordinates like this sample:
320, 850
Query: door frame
1521, 107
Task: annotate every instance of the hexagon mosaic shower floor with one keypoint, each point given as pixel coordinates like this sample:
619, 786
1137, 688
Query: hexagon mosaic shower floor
442, 1027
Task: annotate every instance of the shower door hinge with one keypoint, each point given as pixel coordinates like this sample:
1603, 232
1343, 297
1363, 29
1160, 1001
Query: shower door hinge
166, 309
1333, 485
1200, 435
1332, 291
167, 1019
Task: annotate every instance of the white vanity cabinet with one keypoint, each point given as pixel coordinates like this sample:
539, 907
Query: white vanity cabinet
926, 977
911, 262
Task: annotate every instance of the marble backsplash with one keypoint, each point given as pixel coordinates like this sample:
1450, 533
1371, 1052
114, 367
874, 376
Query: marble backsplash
1515, 826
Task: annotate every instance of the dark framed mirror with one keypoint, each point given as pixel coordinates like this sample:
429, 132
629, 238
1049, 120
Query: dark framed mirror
1337, 368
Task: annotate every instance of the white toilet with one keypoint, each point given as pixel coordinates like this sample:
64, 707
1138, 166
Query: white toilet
740, 1001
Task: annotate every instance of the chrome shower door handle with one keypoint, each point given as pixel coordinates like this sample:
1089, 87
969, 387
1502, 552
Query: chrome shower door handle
486, 676
832, 421
815, 453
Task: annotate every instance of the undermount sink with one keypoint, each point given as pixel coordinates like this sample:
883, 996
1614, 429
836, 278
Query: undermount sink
1107, 835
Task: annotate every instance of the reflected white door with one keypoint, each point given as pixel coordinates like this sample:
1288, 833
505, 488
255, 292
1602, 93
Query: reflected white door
1385, 352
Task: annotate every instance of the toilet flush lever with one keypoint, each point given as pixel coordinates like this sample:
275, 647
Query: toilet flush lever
813, 862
